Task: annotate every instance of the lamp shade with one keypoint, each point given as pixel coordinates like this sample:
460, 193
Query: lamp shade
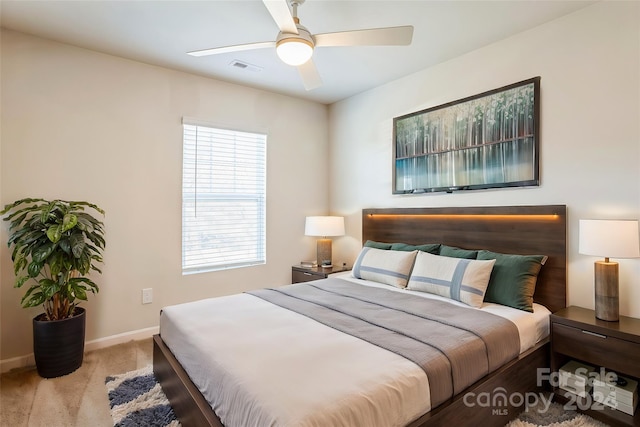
609, 238
324, 226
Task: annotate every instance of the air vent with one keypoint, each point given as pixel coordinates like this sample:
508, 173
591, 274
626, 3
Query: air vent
244, 65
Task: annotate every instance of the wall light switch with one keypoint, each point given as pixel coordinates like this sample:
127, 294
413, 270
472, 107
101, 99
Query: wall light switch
147, 296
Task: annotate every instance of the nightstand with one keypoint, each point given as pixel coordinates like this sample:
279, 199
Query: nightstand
577, 334
303, 274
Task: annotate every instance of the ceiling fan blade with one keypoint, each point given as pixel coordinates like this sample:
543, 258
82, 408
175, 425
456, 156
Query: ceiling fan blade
309, 74
280, 13
390, 36
234, 48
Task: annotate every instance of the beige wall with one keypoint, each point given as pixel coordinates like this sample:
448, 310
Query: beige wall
77, 124
590, 131
81, 125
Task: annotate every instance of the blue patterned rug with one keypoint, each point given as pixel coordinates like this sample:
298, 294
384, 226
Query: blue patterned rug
136, 399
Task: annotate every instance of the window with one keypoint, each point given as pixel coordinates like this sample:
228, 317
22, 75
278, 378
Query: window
223, 198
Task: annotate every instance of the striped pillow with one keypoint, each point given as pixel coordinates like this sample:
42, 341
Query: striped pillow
384, 266
463, 280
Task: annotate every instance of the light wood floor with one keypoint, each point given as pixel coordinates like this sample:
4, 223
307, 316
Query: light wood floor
78, 399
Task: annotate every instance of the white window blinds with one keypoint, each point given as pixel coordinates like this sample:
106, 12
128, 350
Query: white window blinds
223, 198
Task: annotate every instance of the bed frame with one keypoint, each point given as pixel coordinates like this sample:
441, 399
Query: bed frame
525, 230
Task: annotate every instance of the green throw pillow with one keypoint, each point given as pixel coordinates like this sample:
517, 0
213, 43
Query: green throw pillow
432, 248
377, 245
454, 252
513, 279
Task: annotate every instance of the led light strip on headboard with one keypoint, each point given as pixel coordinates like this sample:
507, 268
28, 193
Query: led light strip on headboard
471, 216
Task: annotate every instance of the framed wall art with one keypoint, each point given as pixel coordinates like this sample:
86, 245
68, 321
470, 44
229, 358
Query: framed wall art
489, 140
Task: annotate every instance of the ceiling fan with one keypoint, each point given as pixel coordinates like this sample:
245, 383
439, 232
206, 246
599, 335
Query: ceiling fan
295, 44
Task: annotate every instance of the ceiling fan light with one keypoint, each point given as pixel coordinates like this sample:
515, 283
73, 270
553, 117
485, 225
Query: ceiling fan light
294, 51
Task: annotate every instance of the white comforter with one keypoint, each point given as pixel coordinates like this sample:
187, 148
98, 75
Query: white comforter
261, 365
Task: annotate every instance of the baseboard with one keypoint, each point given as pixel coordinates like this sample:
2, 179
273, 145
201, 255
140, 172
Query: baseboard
29, 360
140, 334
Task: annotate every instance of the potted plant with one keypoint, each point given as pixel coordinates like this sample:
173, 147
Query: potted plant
55, 246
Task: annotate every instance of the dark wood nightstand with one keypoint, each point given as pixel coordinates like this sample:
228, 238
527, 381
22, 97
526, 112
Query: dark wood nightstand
304, 274
577, 334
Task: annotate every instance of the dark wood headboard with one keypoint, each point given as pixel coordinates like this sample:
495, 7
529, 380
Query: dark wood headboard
523, 230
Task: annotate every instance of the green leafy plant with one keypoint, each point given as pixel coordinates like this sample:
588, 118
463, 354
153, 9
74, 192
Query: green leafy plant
55, 245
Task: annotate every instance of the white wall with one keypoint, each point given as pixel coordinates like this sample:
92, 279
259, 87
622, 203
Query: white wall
590, 131
81, 125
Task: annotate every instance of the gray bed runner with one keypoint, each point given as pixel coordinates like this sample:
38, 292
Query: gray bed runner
455, 346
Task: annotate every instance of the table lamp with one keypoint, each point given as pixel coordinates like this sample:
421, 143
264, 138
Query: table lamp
609, 239
324, 227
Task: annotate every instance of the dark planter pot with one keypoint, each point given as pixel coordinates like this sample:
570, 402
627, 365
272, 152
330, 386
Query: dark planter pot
58, 345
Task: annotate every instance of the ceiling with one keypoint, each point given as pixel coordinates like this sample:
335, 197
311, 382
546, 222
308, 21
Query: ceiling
161, 32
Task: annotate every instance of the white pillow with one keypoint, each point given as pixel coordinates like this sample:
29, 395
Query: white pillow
384, 266
463, 280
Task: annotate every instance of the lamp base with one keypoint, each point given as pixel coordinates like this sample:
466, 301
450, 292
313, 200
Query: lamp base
324, 252
606, 289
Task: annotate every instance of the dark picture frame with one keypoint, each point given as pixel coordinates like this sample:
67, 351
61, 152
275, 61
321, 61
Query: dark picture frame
489, 140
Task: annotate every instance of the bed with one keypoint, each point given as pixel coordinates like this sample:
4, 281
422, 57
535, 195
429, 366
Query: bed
509, 230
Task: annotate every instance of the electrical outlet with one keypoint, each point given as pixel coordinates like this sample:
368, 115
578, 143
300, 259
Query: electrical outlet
147, 296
